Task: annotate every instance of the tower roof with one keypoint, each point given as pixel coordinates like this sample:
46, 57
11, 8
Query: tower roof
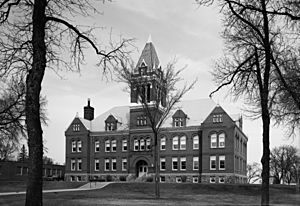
149, 57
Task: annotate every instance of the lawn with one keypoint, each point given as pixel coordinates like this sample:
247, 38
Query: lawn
171, 194
10, 186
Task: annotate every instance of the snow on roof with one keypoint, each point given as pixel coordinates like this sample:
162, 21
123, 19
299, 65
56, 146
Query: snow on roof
86, 123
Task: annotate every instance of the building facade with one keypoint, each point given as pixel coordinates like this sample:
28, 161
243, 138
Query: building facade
199, 142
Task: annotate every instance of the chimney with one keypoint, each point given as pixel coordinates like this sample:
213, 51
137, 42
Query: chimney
88, 111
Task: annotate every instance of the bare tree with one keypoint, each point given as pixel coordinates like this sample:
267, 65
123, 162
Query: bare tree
283, 164
156, 108
36, 35
253, 172
253, 31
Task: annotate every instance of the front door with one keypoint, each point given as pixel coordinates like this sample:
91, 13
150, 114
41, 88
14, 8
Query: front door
143, 169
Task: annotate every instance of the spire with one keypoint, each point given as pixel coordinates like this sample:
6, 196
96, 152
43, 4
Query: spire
149, 39
149, 56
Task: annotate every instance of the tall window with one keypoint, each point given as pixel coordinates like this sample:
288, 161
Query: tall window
124, 145
163, 143
79, 146
113, 164
196, 142
175, 143
141, 121
76, 127
136, 145
162, 164
142, 144
182, 143
114, 145
182, 163
213, 163
213, 140
73, 165
148, 144
97, 146
195, 163
106, 164
110, 126
222, 162
124, 164
79, 164
73, 146
222, 140
97, 164
174, 163
107, 146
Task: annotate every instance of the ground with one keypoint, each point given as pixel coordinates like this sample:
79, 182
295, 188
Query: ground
171, 194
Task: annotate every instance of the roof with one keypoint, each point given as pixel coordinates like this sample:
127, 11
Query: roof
196, 111
149, 57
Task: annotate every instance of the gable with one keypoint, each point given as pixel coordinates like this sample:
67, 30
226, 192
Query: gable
218, 116
78, 125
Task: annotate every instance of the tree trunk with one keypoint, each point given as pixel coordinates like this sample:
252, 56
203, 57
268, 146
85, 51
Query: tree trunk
156, 165
32, 107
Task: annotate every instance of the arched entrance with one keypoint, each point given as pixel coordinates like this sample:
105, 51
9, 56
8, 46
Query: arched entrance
141, 168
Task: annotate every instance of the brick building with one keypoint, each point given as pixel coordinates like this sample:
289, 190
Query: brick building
199, 142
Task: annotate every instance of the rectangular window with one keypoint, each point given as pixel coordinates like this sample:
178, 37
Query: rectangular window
174, 164
114, 145
106, 164
79, 178
124, 145
182, 143
213, 163
76, 127
163, 143
79, 146
217, 118
178, 122
222, 140
213, 141
222, 162
221, 179
162, 179
110, 126
73, 146
142, 144
162, 164
136, 145
97, 164
113, 164
97, 146
19, 170
73, 165
107, 146
72, 179
196, 142
175, 143
182, 163
79, 164
212, 179
195, 163
124, 164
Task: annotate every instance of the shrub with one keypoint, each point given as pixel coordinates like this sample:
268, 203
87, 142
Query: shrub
122, 178
108, 178
149, 179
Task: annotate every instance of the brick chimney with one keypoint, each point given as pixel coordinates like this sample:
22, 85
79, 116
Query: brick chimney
88, 111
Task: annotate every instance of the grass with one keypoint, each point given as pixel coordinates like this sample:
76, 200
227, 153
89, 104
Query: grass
171, 194
9, 186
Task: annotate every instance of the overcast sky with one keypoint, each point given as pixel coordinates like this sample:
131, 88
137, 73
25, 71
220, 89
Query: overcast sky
179, 29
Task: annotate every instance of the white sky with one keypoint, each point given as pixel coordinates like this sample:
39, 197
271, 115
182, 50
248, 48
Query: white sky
179, 29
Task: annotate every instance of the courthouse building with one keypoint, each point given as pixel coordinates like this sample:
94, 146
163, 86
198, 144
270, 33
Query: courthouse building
199, 142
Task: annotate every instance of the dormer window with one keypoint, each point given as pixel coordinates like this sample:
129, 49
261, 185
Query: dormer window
179, 119
217, 118
111, 123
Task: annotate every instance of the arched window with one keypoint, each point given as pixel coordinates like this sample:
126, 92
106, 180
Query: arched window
175, 143
107, 146
148, 144
136, 145
163, 143
196, 142
142, 144
222, 140
213, 140
182, 143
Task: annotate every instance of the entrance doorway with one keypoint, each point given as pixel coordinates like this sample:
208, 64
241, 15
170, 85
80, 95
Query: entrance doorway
141, 168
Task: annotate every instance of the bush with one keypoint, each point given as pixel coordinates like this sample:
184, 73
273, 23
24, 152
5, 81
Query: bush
149, 179
108, 178
122, 178
183, 178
